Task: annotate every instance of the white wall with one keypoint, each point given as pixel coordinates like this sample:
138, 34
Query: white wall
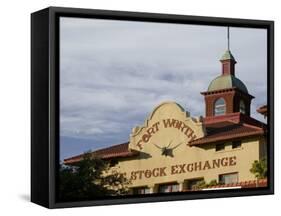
15, 106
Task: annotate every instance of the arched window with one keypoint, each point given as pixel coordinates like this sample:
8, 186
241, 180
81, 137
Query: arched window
219, 107
242, 107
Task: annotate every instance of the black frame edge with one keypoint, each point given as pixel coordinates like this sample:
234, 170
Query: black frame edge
160, 17
40, 107
270, 98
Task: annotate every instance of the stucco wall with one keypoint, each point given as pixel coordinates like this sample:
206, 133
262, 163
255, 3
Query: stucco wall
245, 156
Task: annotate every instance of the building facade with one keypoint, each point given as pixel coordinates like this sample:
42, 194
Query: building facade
173, 151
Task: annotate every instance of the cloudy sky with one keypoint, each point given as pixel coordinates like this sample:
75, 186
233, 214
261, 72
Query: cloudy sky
113, 73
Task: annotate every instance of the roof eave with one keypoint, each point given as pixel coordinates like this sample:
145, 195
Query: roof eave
201, 141
128, 154
226, 90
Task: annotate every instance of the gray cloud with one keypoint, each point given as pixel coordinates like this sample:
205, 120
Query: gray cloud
113, 73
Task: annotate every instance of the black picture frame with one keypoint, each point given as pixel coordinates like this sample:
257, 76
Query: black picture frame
45, 103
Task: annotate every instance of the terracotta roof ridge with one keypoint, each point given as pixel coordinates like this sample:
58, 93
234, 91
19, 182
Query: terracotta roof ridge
262, 108
234, 117
253, 126
74, 157
233, 121
109, 147
225, 137
97, 151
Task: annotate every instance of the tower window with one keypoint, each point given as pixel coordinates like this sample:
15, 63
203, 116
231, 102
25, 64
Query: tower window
220, 107
242, 107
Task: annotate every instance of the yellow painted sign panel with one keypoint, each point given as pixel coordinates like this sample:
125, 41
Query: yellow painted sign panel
169, 125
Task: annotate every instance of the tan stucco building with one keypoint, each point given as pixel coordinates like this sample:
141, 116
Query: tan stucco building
173, 151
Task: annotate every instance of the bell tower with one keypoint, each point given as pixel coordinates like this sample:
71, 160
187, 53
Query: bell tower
227, 94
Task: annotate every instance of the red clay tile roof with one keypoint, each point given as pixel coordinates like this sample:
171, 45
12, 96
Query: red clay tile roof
262, 110
227, 130
115, 151
121, 150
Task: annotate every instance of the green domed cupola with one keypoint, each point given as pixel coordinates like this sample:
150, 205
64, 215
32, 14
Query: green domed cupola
225, 82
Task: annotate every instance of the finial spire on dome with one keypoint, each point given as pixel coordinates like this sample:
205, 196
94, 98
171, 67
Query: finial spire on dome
227, 55
227, 59
228, 38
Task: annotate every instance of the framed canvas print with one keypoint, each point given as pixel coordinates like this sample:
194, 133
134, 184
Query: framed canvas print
139, 107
